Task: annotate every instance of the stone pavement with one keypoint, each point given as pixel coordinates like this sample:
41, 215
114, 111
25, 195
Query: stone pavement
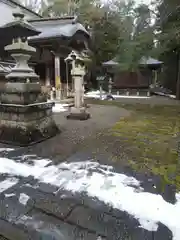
50, 213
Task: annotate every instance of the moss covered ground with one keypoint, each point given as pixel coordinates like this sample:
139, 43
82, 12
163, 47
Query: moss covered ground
153, 135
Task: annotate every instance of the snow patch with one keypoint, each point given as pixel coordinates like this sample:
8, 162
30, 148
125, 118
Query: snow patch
7, 183
96, 95
118, 190
131, 97
58, 107
6, 149
23, 198
9, 195
41, 162
172, 96
95, 92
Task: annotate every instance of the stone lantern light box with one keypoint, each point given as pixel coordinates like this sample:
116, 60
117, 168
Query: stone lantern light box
25, 114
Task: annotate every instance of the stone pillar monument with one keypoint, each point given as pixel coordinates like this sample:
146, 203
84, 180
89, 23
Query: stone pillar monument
78, 111
25, 115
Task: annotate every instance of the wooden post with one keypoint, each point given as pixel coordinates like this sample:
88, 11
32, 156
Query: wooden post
67, 79
57, 75
47, 80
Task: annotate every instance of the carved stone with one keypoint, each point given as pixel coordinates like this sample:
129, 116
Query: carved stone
24, 125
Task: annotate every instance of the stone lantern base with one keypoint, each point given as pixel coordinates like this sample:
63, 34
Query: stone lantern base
23, 125
78, 114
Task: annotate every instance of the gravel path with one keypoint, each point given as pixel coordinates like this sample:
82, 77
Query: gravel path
75, 134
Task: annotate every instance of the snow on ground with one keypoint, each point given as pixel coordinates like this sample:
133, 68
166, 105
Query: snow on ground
166, 95
96, 92
59, 107
6, 149
8, 195
23, 198
101, 181
9, 182
96, 95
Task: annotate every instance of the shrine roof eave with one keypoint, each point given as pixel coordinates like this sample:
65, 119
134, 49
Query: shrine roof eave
50, 40
17, 29
59, 31
55, 44
55, 40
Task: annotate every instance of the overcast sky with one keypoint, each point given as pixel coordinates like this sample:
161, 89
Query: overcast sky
143, 1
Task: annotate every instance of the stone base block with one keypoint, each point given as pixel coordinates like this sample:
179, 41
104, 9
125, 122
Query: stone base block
23, 130
21, 93
78, 114
24, 136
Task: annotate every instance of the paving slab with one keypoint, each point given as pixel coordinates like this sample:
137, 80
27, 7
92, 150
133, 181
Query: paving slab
101, 223
42, 226
46, 188
84, 200
60, 208
11, 209
12, 232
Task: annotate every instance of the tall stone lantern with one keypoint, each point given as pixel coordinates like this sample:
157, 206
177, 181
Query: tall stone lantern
25, 115
78, 111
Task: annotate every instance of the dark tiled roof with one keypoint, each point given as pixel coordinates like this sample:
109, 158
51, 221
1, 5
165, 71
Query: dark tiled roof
50, 19
112, 62
18, 29
143, 61
57, 27
149, 61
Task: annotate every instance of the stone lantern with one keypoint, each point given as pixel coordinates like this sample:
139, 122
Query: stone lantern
25, 115
110, 84
100, 79
78, 111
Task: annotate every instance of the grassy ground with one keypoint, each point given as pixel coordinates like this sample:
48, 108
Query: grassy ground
153, 134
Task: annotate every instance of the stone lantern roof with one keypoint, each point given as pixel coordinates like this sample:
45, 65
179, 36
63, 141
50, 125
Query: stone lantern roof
18, 28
